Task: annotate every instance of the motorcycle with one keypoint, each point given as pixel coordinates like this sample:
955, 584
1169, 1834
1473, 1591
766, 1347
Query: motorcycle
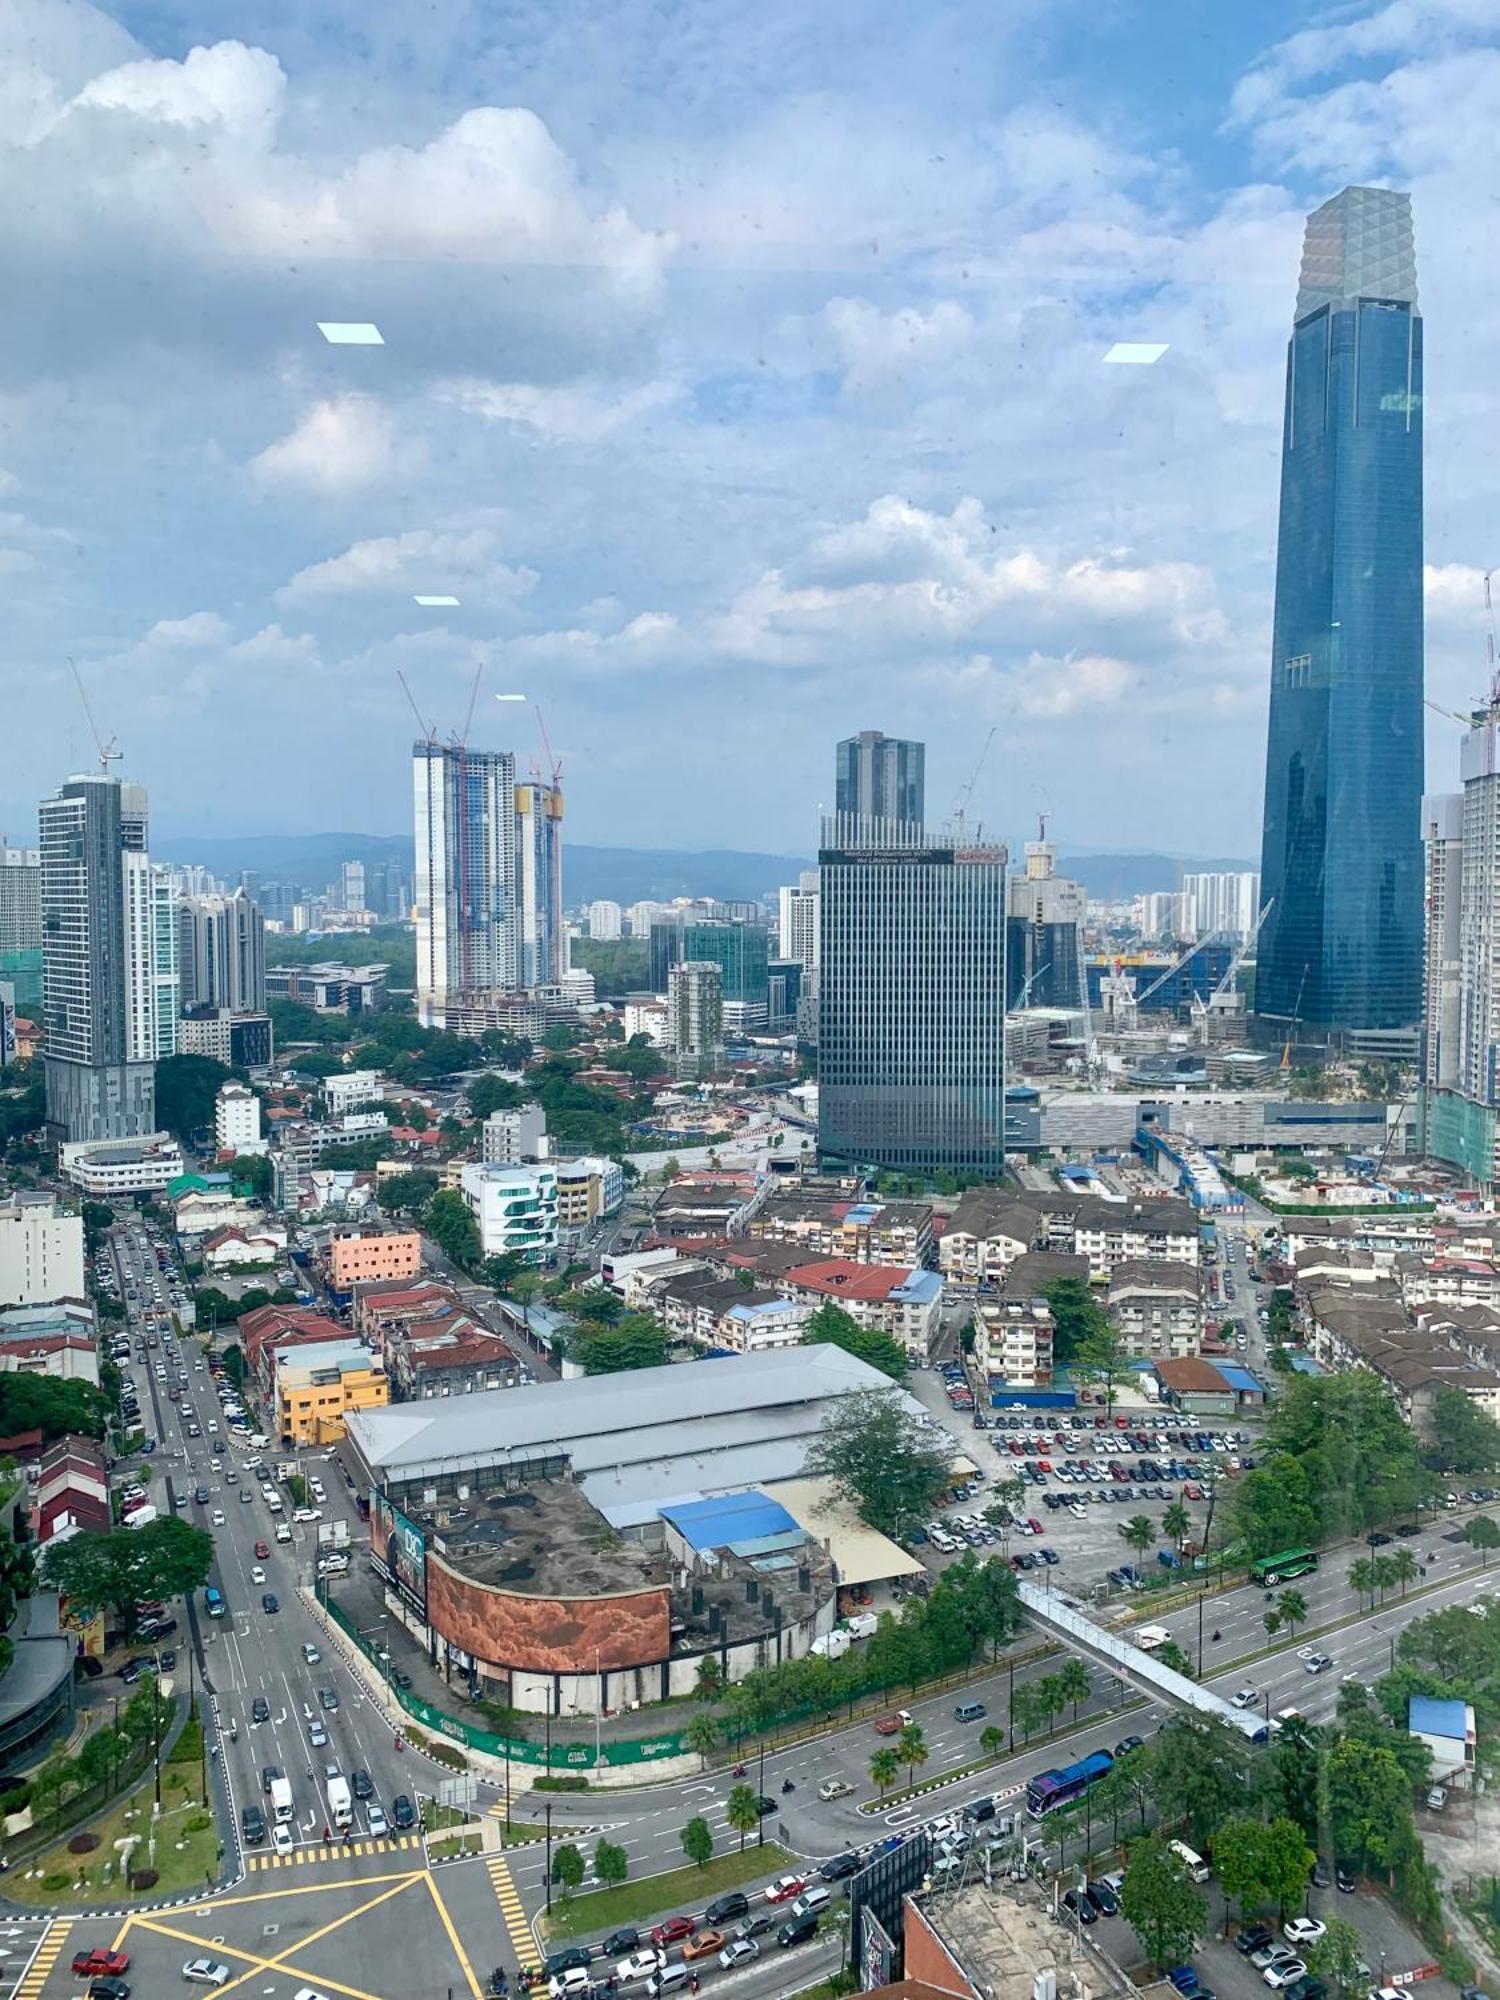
787, 1785
739, 1770
1216, 1637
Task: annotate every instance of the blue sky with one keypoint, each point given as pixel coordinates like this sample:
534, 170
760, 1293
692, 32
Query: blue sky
742, 376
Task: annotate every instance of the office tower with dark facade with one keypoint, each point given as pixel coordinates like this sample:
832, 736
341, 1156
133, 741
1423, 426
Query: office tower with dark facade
1339, 955
880, 777
21, 925
465, 835
1044, 934
911, 1017
663, 950
98, 961
742, 953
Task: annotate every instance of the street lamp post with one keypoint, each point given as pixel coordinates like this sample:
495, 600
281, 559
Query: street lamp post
760, 1825
549, 1858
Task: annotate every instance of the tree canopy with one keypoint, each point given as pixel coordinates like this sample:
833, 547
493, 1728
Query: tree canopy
451, 1226
882, 1459
186, 1087
1160, 1904
116, 1569
1464, 1437
490, 1092
42, 1402
1337, 1460
838, 1328
636, 1341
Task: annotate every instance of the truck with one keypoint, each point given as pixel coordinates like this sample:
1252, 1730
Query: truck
333, 1535
863, 1625
1150, 1637
340, 1805
281, 1801
894, 1723
832, 1646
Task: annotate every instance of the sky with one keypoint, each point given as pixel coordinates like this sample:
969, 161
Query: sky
742, 376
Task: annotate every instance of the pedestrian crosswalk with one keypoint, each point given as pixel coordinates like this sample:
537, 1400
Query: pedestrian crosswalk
338, 1850
54, 1938
510, 1908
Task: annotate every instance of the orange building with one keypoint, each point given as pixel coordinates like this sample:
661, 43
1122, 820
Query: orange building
373, 1257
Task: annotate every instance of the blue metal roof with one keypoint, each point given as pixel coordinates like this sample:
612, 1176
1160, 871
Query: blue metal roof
1240, 1378
1430, 1717
735, 1517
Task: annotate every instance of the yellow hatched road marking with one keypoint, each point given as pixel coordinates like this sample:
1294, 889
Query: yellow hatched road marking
48, 1952
511, 1908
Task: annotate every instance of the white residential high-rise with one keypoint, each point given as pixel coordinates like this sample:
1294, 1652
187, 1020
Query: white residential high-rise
1442, 976
542, 941
604, 919
352, 885
797, 927
641, 916
41, 1252
465, 887
1220, 905
166, 969
237, 1120
221, 953
98, 960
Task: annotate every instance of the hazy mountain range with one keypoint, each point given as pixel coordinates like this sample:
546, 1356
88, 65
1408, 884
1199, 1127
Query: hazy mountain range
629, 874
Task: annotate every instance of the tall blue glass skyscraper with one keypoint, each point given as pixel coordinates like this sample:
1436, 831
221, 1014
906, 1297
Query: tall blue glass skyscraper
1341, 857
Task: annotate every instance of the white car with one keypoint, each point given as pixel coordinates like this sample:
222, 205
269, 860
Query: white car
1303, 1930
257, 1574
1245, 1697
281, 1839
310, 1653
639, 1965
206, 1972
834, 1788
309, 1993
217, 1517
1284, 1972
306, 1514
379, 1824
283, 1532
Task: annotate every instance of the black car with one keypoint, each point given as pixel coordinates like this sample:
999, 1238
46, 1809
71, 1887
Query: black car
1343, 1874
108, 1989
1103, 1898
564, 1961
166, 1659
1407, 1530
1126, 1744
269, 1773
200, 1494
1376, 1540
723, 1909
361, 1785
132, 1670
619, 1943
841, 1865
1320, 1875
1254, 1939
1307, 1988
799, 1930
404, 1815
765, 1806
253, 1822
269, 1602
1080, 1906
260, 1709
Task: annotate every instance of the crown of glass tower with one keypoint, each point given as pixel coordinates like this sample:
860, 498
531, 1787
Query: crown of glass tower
1341, 865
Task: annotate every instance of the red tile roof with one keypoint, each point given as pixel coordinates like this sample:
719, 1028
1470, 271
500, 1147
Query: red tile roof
842, 1278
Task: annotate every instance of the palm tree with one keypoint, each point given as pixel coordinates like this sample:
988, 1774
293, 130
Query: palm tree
1293, 1608
742, 1808
911, 1748
1073, 1683
885, 1769
1139, 1533
1404, 1568
1385, 1575
1177, 1523
1051, 1697
710, 1682
1026, 1707
702, 1735
1362, 1577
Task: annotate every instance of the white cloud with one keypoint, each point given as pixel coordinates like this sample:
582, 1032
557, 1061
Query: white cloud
195, 633
873, 348
462, 560
8, 483
337, 447
581, 414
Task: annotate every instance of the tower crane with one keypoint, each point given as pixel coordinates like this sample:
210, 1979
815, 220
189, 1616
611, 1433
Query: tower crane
110, 752
429, 733
552, 772
966, 791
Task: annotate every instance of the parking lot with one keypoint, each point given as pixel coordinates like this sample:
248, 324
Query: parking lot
1082, 1527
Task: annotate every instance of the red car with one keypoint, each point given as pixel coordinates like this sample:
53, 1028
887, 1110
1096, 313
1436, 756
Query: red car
1034, 1524
101, 1964
673, 1930
785, 1887
262, 1551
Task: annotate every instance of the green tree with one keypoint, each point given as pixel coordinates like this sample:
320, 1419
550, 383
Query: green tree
490, 1092
406, 1194
98, 1220
1077, 1316
1337, 1958
1262, 1865
1369, 1801
1342, 1456
253, 1176
1288, 1775
742, 1811
1103, 1360
1028, 1709
186, 1087
991, 1740
451, 1226
883, 1460
838, 1328
42, 1402
702, 1736
567, 1868
611, 1863
1177, 1524
698, 1841
1362, 1577
885, 1768
1160, 1904
710, 1682
117, 1569
1199, 1771
1138, 1533
234, 1364
1074, 1684
1293, 1608
1464, 1437
911, 1748
1481, 1533
1171, 1655
639, 1341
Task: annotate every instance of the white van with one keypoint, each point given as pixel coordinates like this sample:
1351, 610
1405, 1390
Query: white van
810, 1901
1149, 1637
281, 1801
1197, 1868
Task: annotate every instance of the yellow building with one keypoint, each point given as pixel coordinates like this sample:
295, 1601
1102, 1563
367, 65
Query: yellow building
317, 1386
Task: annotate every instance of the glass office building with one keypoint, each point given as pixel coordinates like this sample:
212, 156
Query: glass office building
911, 1015
880, 777
1341, 861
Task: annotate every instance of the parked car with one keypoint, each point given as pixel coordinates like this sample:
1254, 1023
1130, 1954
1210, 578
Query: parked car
672, 1930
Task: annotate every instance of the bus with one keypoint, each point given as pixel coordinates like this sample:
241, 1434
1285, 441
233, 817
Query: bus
1281, 1569
1054, 1789
213, 1602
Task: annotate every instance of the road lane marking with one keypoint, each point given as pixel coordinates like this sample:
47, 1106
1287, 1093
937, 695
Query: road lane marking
511, 1909
46, 1955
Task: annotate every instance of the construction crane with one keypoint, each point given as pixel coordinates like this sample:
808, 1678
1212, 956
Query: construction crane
429, 733
1031, 980
1246, 947
1452, 713
966, 792
1291, 1033
552, 767
110, 752
463, 741
1176, 966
